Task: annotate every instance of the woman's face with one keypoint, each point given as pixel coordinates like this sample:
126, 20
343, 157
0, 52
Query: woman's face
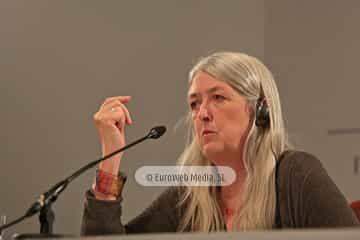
220, 115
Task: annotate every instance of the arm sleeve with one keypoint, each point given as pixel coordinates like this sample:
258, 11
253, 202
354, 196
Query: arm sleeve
104, 217
323, 203
314, 200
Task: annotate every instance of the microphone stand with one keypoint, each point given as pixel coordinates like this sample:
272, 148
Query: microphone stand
44, 203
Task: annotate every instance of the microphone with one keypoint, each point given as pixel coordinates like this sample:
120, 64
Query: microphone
50, 196
157, 132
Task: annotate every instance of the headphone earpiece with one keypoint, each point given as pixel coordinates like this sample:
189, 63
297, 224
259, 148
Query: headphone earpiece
262, 113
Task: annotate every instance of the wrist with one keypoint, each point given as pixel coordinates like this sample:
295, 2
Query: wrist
108, 186
110, 165
101, 196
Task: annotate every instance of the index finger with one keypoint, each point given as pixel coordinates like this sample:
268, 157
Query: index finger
122, 99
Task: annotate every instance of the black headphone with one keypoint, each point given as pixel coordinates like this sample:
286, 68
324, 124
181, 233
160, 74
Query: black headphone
262, 113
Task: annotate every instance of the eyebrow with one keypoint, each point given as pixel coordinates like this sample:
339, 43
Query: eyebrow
210, 90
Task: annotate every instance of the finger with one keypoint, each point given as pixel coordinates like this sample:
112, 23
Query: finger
110, 103
128, 116
120, 119
122, 99
115, 106
111, 117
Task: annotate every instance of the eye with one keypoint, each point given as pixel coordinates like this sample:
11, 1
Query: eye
219, 97
193, 104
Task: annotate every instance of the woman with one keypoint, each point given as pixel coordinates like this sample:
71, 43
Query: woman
235, 120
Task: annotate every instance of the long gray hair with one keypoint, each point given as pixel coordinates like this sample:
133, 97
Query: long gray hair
250, 78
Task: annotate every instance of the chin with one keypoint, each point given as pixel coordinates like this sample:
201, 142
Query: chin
212, 150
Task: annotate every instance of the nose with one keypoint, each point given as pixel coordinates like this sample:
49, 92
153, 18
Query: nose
205, 112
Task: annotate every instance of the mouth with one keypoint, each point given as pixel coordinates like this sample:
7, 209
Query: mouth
207, 132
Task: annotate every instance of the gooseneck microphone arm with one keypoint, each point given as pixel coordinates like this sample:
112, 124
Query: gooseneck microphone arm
50, 196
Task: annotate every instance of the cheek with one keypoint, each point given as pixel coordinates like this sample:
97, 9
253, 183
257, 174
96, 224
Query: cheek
197, 127
234, 126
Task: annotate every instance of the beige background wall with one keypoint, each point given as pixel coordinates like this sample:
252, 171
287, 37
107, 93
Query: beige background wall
312, 47
59, 60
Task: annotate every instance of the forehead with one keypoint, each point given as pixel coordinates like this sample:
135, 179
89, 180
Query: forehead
203, 82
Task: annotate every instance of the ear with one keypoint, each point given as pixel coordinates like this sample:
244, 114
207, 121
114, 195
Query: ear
250, 111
